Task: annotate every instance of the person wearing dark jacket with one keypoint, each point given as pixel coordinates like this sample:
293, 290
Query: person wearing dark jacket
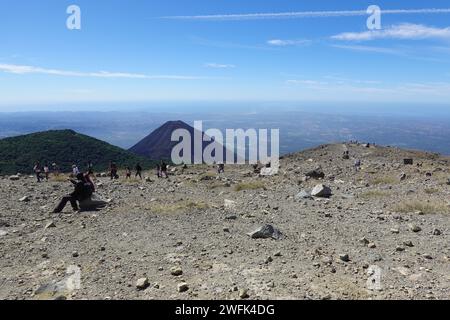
83, 190
138, 171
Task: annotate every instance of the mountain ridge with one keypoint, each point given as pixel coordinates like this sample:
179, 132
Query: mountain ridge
63, 147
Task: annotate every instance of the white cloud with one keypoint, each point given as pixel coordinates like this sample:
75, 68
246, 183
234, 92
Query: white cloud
345, 86
22, 70
219, 66
283, 43
304, 14
306, 82
402, 31
370, 49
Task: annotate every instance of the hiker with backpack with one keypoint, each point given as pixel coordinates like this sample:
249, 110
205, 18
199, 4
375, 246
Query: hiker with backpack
83, 190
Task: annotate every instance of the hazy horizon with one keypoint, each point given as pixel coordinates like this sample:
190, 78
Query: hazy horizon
298, 129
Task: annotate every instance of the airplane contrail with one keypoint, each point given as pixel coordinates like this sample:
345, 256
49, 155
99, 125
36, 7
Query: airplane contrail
304, 14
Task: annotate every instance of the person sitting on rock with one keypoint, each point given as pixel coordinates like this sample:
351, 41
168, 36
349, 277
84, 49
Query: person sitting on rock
83, 190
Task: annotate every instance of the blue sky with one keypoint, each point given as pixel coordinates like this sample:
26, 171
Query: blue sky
157, 51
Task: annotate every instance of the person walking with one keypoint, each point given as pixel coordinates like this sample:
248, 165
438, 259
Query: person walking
164, 170
158, 171
46, 171
357, 165
113, 170
37, 171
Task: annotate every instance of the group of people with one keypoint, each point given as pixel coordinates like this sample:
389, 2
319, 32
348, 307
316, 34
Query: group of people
161, 170
138, 173
84, 186
357, 164
38, 170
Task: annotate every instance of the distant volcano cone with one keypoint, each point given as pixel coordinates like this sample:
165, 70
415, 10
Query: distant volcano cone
159, 144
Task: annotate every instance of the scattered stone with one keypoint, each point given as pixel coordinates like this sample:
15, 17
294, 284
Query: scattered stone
176, 271
315, 174
395, 231
403, 271
372, 245
408, 243
3, 233
344, 257
243, 294
142, 284
230, 204
266, 232
49, 225
415, 228
25, 199
321, 191
182, 287
364, 241
14, 178
75, 254
268, 260
303, 195
437, 232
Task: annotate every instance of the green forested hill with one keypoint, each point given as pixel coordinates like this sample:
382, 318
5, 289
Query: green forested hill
65, 148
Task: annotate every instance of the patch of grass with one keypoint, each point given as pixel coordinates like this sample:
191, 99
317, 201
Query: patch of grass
216, 185
132, 180
187, 205
427, 207
373, 194
431, 190
249, 186
383, 180
59, 178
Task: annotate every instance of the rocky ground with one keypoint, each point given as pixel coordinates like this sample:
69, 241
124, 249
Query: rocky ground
188, 237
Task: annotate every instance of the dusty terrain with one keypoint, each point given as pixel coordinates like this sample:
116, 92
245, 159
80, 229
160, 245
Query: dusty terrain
193, 229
